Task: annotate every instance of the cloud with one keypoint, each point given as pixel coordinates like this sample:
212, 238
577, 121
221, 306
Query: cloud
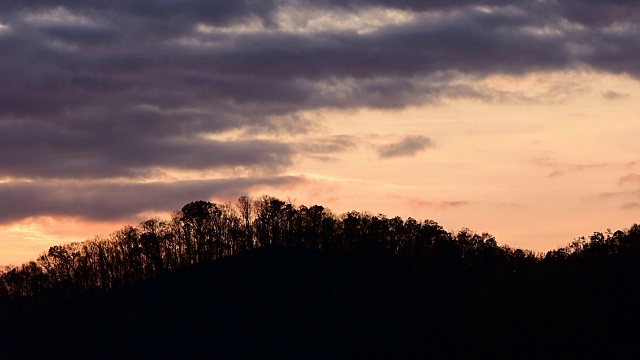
124, 89
627, 199
631, 178
418, 204
53, 151
511, 205
559, 168
408, 146
141, 54
106, 200
440, 205
631, 205
613, 95
328, 145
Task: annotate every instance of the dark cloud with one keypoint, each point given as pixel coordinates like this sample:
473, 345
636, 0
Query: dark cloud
104, 200
598, 13
409, 146
467, 43
215, 11
41, 150
126, 88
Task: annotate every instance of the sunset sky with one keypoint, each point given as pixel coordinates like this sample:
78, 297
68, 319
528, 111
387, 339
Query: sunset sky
517, 118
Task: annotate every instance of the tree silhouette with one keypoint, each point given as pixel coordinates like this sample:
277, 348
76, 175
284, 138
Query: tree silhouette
245, 210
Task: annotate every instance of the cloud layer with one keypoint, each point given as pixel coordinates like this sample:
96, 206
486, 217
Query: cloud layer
103, 200
106, 91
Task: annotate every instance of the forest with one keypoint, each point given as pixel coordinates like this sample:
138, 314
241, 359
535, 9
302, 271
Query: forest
389, 284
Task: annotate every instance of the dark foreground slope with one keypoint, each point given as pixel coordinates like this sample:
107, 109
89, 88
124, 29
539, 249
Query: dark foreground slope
286, 302
302, 303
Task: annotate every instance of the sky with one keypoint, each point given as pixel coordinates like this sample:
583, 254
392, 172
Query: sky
517, 118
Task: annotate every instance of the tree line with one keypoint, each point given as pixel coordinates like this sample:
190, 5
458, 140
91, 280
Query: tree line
203, 231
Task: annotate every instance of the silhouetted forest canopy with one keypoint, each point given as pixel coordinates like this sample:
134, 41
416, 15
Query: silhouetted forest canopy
203, 231
265, 278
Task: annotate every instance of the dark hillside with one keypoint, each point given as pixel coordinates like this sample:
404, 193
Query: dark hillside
305, 303
287, 302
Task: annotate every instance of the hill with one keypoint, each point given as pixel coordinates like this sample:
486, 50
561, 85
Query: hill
287, 302
266, 278
306, 303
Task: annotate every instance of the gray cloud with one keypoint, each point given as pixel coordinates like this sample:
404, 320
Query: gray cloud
409, 146
126, 88
103, 200
40, 150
